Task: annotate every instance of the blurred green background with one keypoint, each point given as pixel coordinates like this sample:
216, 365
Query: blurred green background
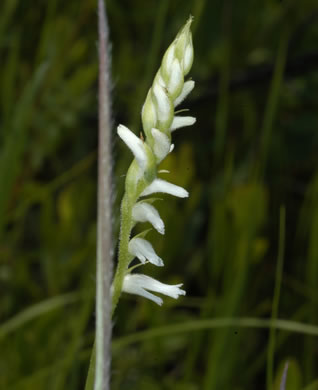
248, 230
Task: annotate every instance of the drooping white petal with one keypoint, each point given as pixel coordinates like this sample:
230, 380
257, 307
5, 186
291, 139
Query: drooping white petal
171, 148
182, 121
139, 284
135, 144
164, 109
172, 291
159, 185
162, 144
187, 88
143, 250
145, 212
131, 287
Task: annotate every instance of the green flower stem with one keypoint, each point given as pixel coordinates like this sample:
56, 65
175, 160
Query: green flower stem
123, 256
129, 199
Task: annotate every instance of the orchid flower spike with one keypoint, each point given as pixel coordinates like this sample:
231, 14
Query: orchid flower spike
159, 121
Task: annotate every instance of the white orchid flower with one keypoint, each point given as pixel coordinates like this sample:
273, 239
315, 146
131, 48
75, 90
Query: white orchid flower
144, 251
140, 284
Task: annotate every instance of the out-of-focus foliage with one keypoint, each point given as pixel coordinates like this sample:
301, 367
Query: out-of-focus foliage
253, 150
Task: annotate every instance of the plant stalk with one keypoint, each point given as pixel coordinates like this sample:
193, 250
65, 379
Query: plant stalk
123, 255
104, 215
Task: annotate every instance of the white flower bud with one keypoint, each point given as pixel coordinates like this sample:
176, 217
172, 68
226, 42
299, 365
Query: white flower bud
164, 107
162, 144
145, 212
159, 80
143, 250
188, 57
183, 41
167, 61
175, 83
159, 185
139, 284
148, 114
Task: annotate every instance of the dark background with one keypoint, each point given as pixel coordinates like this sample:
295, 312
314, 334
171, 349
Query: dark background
250, 164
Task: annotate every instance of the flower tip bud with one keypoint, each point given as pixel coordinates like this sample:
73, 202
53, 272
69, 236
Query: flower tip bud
186, 28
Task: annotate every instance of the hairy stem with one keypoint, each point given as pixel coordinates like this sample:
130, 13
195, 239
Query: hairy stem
123, 256
104, 229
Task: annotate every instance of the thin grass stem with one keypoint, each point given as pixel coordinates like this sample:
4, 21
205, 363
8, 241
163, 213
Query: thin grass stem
216, 323
278, 282
272, 102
